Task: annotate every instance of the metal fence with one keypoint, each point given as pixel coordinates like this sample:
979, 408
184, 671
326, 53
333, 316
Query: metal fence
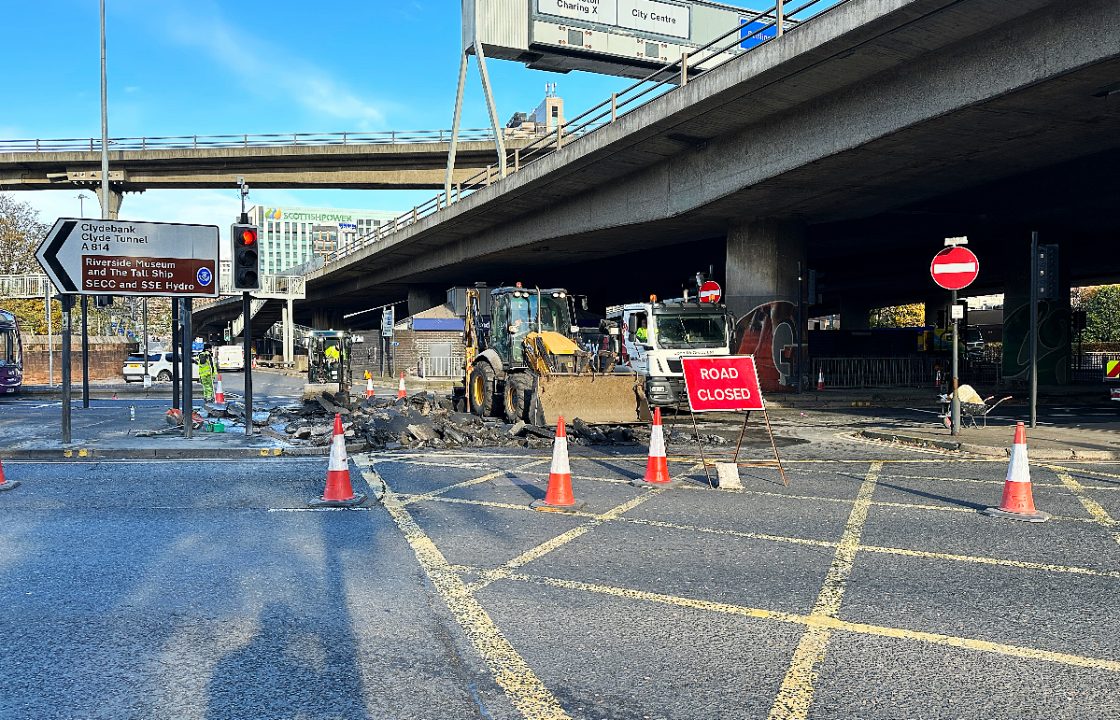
872, 372
442, 367
24, 286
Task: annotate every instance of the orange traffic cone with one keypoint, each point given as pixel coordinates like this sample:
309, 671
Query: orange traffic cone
657, 466
7, 484
339, 492
219, 393
1018, 502
369, 385
558, 497
400, 388
820, 380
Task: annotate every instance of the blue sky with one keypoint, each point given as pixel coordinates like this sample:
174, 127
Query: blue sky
186, 67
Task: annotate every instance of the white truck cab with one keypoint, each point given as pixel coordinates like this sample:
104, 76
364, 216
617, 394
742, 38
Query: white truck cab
655, 335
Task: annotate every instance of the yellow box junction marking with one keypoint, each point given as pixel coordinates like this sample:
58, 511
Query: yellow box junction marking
796, 692
1094, 508
503, 570
473, 481
827, 623
522, 686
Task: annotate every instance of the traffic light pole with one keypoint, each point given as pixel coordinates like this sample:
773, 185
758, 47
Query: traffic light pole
188, 375
246, 310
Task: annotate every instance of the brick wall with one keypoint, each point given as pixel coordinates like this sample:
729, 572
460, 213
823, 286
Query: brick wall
106, 357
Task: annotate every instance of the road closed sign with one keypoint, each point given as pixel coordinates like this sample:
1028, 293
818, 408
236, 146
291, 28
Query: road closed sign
722, 383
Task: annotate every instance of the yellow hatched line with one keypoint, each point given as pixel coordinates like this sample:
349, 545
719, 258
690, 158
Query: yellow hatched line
560, 540
1094, 508
827, 623
409, 499
522, 686
474, 481
796, 692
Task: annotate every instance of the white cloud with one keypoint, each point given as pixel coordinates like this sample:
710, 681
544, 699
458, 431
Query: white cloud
269, 67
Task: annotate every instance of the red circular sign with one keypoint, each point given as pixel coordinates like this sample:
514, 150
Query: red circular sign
954, 268
710, 292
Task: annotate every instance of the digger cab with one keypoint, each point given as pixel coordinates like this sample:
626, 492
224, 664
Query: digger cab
328, 357
517, 312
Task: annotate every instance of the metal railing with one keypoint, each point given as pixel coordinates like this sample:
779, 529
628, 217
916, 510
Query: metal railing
196, 142
441, 367
765, 26
872, 372
24, 286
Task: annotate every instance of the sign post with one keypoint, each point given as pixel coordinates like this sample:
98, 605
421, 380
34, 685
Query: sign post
83, 256
726, 384
954, 268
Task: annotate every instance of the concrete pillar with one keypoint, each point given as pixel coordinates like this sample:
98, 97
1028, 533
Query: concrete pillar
762, 292
425, 297
115, 197
1054, 352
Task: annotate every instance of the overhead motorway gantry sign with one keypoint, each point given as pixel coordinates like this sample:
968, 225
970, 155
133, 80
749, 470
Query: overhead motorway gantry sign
123, 257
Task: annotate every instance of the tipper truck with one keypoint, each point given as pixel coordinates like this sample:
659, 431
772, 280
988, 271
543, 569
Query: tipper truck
655, 335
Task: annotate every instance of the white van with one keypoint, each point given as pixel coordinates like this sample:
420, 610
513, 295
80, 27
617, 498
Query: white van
230, 357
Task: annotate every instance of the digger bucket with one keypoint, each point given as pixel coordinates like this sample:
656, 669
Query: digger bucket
595, 399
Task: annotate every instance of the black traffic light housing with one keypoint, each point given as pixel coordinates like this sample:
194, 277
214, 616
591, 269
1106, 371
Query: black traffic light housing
246, 257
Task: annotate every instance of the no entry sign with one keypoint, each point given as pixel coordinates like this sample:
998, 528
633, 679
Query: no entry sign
954, 268
710, 292
722, 383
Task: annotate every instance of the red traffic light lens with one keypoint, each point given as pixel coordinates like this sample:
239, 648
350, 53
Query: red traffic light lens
248, 236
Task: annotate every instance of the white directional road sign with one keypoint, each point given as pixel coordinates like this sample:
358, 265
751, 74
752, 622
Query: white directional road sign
123, 257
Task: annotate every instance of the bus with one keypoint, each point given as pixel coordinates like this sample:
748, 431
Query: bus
11, 354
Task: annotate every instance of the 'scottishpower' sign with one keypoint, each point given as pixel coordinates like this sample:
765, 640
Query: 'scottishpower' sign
722, 383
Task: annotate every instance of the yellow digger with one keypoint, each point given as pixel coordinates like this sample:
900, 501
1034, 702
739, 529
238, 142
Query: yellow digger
522, 363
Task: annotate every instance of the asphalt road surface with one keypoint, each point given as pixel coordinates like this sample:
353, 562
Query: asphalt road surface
870, 587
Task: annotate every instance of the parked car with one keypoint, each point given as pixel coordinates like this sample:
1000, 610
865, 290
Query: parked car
159, 367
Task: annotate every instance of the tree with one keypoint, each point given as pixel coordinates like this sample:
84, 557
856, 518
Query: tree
899, 316
20, 235
1102, 312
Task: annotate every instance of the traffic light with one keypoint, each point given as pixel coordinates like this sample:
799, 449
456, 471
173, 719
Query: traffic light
246, 258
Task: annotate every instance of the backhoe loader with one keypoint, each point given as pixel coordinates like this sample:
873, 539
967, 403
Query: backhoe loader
522, 363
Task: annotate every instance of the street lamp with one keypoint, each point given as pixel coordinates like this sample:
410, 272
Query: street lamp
82, 197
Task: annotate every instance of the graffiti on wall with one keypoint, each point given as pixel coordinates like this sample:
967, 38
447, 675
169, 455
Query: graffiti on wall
1053, 342
767, 332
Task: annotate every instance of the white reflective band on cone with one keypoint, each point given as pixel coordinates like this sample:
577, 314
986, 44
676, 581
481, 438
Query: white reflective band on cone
560, 457
338, 454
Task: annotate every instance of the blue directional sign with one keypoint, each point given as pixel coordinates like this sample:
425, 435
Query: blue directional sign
755, 38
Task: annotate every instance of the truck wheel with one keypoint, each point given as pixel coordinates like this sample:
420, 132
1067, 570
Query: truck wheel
482, 390
515, 397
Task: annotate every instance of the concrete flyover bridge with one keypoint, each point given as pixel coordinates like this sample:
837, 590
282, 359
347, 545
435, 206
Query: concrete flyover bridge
370, 160
852, 144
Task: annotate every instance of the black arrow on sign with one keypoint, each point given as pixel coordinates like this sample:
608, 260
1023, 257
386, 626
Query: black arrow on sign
51, 255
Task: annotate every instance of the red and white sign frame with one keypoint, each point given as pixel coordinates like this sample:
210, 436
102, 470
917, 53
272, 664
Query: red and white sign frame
954, 268
727, 383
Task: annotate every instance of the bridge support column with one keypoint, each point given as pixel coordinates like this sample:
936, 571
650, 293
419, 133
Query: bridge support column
288, 326
762, 292
425, 297
1054, 352
115, 197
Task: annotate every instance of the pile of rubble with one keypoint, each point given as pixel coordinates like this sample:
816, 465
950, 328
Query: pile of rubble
424, 420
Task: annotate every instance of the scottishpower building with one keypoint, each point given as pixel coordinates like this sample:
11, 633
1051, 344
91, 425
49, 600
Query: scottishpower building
291, 236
